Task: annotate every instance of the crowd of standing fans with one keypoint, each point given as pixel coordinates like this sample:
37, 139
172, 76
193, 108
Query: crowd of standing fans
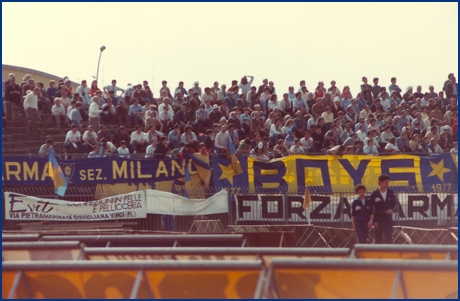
256, 119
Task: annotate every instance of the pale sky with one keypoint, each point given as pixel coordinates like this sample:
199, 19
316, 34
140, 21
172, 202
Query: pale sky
284, 42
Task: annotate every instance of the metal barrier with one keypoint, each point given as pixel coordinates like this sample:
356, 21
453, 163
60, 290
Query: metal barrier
131, 279
370, 278
405, 252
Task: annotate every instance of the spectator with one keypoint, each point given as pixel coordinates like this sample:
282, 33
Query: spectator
178, 101
280, 150
167, 118
104, 133
285, 105
415, 144
196, 88
128, 92
452, 88
164, 87
29, 86
161, 149
72, 142
90, 139
391, 146
262, 87
31, 108
75, 115
108, 113
189, 137
221, 140
444, 142
94, 112
233, 135
337, 150
123, 150
451, 115
137, 94
222, 94
151, 148
135, 113
258, 124
183, 117
83, 91
93, 89
298, 102
245, 85
174, 137
51, 91
96, 153
121, 135
433, 147
370, 148
113, 87
307, 143
318, 138
297, 148
122, 114
152, 120
244, 147
181, 88
59, 114
46, 148
138, 140
454, 149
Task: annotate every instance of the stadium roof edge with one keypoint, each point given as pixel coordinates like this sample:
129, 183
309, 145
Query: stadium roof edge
30, 70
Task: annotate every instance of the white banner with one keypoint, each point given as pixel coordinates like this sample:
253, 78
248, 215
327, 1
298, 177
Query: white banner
160, 202
123, 206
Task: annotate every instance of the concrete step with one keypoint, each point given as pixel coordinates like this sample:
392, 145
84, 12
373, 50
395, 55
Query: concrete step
29, 143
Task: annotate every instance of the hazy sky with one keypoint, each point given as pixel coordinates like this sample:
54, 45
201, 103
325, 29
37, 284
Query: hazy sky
284, 42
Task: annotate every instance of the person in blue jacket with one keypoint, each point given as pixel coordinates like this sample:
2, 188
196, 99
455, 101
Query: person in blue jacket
362, 212
384, 203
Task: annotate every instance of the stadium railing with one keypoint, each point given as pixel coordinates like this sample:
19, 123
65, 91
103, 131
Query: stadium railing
341, 279
131, 279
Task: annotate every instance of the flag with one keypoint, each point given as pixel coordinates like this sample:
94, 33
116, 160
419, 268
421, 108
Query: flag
55, 172
307, 198
236, 166
187, 181
202, 166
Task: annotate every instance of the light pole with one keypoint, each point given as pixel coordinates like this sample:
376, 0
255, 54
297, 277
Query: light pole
98, 62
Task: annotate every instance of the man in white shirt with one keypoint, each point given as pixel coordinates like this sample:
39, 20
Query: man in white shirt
93, 112
89, 139
96, 153
72, 142
31, 108
307, 143
123, 150
151, 148
138, 140
83, 91
221, 140
370, 148
297, 148
433, 147
207, 95
59, 114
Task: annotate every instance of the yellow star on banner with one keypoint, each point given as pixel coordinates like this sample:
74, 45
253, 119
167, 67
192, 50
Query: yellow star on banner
438, 170
227, 173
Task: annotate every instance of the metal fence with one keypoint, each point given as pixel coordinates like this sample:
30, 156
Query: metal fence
423, 210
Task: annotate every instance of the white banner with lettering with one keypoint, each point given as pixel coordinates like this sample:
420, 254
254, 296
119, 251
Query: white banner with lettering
123, 206
160, 202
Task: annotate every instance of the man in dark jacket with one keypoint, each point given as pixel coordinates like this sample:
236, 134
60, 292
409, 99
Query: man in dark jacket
362, 214
452, 88
384, 204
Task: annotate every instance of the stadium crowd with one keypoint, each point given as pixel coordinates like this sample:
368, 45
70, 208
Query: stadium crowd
255, 119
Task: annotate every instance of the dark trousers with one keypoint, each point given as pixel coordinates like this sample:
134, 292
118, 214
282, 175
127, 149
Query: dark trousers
361, 231
385, 229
